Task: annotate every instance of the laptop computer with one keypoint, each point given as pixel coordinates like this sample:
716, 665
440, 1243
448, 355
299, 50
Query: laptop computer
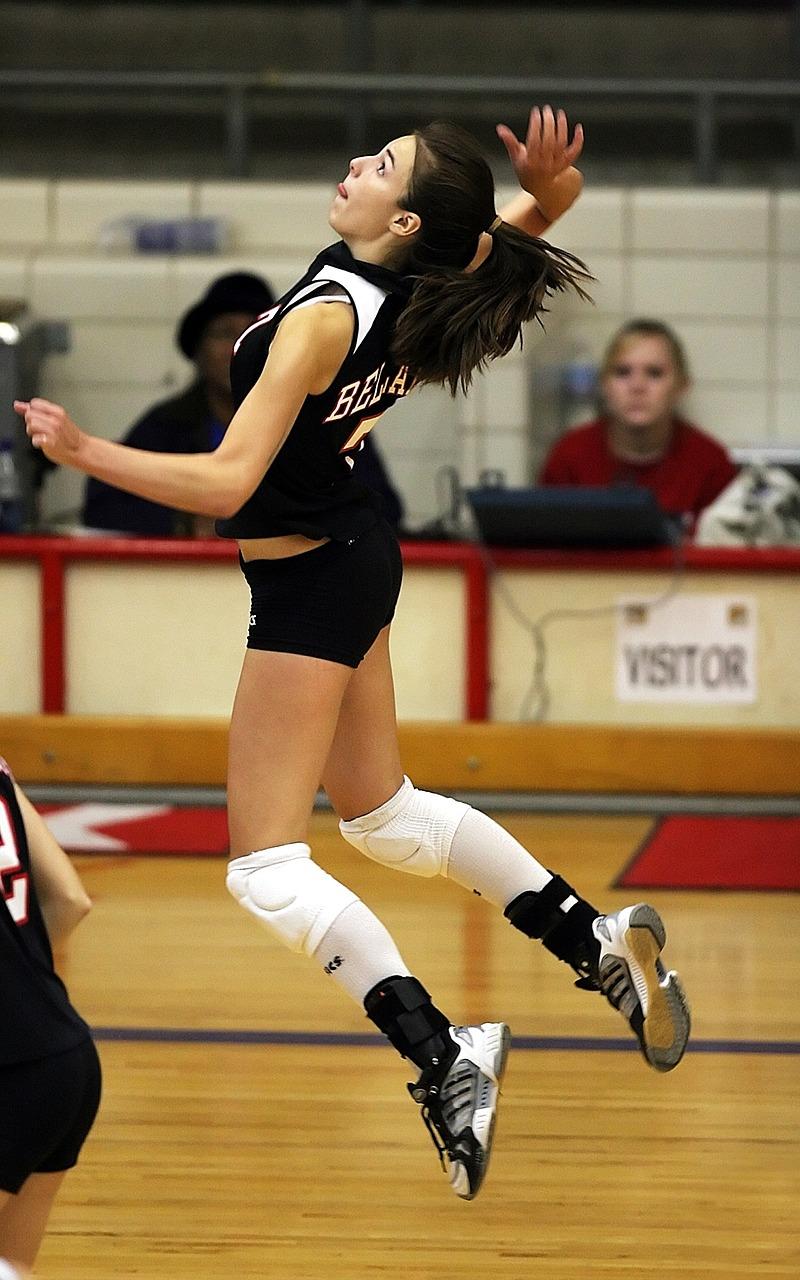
570, 516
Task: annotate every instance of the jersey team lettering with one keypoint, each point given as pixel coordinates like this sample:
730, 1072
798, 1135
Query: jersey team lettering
355, 397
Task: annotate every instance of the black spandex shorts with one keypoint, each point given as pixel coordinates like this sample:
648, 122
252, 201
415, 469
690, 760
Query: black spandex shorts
327, 603
48, 1108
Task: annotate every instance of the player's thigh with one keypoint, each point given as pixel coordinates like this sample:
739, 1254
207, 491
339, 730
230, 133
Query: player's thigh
363, 768
283, 724
24, 1217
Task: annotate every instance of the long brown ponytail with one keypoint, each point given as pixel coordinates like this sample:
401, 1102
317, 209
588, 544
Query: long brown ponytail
457, 321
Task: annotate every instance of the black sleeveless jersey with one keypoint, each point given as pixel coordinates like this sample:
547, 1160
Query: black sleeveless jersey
36, 1017
309, 487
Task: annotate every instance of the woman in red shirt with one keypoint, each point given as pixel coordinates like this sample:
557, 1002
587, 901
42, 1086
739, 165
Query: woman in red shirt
640, 440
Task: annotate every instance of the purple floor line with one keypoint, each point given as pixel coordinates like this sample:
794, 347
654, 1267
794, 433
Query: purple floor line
358, 1040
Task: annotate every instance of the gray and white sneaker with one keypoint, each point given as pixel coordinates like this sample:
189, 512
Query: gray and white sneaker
459, 1103
633, 979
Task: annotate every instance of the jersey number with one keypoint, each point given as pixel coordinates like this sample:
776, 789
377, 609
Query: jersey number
13, 880
362, 429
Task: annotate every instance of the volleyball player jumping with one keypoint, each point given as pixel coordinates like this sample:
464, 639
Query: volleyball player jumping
425, 285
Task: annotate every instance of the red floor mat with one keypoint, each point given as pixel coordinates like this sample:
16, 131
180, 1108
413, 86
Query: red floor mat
717, 853
680, 852
137, 828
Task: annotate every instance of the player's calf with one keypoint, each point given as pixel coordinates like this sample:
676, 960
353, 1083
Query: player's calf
460, 1073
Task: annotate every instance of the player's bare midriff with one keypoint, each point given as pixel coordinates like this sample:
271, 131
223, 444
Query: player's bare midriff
288, 544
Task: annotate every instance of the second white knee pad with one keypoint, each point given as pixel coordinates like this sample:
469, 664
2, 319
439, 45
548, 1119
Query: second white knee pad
289, 894
412, 831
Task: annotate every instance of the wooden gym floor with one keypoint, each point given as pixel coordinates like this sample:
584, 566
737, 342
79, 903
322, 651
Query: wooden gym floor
253, 1126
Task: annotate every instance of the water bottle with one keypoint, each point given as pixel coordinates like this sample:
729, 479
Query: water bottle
12, 511
579, 388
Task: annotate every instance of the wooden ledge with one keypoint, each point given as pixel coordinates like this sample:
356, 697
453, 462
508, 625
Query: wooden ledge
148, 751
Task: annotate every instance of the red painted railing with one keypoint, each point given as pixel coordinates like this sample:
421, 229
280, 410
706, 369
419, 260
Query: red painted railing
53, 554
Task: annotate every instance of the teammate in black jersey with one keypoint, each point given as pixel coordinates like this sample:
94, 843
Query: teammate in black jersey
427, 284
49, 1070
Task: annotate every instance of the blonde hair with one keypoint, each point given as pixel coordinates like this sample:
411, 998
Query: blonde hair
643, 328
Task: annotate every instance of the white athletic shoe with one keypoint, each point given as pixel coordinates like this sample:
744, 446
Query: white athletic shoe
633, 979
459, 1103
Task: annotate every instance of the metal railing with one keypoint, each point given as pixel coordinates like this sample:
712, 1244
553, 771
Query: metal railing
239, 96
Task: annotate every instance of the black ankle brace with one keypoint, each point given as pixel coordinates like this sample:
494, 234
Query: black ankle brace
567, 934
402, 1009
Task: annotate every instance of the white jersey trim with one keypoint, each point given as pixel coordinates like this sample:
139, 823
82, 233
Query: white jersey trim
367, 298
310, 302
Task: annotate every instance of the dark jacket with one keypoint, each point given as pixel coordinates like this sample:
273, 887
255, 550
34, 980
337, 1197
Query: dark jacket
183, 424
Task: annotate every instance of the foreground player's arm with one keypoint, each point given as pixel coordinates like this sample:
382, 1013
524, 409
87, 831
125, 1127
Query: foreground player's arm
62, 897
305, 354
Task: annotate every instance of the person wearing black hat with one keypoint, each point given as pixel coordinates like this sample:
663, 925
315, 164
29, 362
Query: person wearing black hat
194, 421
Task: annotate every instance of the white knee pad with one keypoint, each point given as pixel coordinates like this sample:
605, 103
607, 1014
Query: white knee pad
289, 894
412, 832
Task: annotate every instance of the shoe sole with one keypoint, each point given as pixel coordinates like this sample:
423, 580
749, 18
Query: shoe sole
666, 1028
485, 1121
